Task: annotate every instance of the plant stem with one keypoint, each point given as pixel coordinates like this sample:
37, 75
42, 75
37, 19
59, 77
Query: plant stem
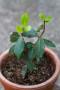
21, 36
43, 31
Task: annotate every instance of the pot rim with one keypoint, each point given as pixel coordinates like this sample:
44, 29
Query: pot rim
57, 64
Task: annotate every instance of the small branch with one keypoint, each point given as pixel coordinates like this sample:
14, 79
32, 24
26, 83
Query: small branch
21, 36
43, 31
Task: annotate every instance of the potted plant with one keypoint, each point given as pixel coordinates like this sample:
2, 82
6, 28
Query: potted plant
29, 65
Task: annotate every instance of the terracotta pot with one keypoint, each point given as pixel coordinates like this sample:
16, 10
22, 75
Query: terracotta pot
47, 85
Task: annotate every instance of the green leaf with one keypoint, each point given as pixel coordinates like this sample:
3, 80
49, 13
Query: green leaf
31, 54
42, 16
27, 28
49, 43
48, 19
30, 65
19, 47
30, 57
19, 29
24, 71
31, 51
45, 18
39, 48
14, 37
40, 28
11, 50
25, 19
31, 33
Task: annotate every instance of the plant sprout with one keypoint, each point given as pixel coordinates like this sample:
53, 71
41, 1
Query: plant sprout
30, 51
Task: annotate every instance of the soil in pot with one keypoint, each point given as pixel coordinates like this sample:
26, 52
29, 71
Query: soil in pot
12, 71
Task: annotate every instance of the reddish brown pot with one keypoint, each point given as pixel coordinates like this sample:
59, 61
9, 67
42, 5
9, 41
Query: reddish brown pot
48, 85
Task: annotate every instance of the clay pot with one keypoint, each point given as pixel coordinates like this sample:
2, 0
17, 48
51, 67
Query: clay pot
47, 85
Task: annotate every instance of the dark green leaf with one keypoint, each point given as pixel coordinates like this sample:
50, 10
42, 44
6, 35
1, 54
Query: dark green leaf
31, 33
14, 37
19, 47
30, 65
31, 54
24, 71
11, 50
49, 43
29, 45
39, 48
31, 51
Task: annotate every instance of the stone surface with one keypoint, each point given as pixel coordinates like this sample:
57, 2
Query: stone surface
10, 11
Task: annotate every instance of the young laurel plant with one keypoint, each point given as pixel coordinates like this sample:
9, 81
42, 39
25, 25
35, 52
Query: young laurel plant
28, 50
